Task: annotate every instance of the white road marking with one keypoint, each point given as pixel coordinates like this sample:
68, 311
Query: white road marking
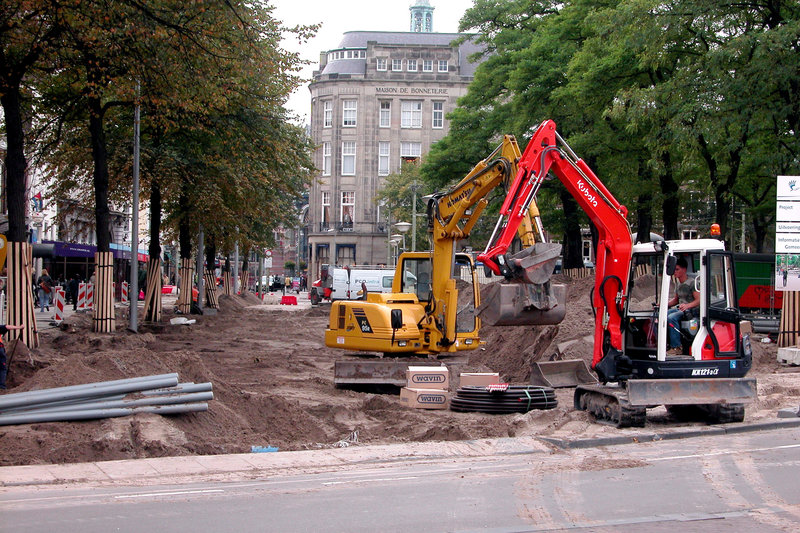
725, 452
174, 493
369, 480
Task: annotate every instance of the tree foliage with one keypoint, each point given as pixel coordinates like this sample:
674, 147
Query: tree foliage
212, 82
675, 104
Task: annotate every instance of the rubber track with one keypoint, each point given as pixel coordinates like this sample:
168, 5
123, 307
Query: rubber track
613, 407
724, 414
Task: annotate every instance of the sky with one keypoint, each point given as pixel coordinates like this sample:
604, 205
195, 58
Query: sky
339, 16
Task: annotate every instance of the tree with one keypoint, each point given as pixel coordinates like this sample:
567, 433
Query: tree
26, 35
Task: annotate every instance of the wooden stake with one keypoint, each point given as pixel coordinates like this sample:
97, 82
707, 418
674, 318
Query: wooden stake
211, 289
152, 298
103, 318
789, 333
185, 288
20, 296
227, 283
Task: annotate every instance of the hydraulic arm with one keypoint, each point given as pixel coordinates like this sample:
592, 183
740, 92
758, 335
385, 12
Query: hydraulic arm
547, 152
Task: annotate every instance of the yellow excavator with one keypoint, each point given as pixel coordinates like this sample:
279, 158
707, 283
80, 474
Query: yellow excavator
436, 305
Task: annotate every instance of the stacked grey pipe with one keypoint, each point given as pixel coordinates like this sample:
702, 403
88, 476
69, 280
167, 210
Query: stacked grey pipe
161, 394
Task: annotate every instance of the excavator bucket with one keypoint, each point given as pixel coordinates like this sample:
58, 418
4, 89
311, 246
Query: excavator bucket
522, 304
567, 373
536, 263
528, 298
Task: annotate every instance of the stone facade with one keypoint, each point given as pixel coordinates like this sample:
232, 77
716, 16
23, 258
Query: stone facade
376, 100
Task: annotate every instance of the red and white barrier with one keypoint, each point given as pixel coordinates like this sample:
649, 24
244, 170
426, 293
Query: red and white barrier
82, 296
58, 304
90, 296
124, 292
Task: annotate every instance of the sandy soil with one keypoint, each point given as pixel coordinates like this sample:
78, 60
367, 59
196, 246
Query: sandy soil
273, 385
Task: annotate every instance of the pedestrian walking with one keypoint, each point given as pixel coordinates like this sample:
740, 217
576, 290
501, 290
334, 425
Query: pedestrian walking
45, 285
3, 361
74, 287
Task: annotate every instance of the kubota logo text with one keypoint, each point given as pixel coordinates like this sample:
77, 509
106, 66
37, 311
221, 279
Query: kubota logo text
705, 371
586, 192
435, 378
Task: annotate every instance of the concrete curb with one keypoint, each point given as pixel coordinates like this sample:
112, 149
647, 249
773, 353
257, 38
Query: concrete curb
729, 429
207, 468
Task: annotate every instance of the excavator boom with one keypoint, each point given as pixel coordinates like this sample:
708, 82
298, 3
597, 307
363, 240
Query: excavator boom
548, 153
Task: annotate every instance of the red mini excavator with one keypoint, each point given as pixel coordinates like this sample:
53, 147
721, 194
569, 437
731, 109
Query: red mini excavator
631, 330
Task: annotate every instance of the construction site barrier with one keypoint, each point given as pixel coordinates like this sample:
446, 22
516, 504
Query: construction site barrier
58, 304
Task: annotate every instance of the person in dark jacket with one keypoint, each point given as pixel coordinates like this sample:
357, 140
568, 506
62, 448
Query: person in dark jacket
74, 285
3, 361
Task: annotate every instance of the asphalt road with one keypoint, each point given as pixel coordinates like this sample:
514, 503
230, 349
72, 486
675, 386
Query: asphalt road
736, 482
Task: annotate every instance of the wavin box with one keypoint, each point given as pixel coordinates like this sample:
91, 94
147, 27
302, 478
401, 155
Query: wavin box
428, 377
424, 398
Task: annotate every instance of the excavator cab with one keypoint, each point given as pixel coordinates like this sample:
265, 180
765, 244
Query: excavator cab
416, 277
418, 273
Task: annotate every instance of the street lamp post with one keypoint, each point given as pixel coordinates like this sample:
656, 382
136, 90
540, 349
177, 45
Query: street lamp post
403, 228
394, 240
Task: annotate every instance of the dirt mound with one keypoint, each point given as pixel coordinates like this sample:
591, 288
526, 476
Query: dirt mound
272, 377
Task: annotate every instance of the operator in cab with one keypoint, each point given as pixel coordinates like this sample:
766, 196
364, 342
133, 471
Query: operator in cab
687, 299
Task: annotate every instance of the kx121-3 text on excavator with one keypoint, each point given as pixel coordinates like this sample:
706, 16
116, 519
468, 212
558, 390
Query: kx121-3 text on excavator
632, 286
435, 294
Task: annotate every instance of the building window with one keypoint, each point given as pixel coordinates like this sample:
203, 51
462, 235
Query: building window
348, 209
327, 114
438, 115
397, 65
326, 159
345, 254
410, 151
383, 158
427, 65
349, 113
323, 254
381, 63
442, 65
325, 218
385, 116
411, 65
348, 158
411, 114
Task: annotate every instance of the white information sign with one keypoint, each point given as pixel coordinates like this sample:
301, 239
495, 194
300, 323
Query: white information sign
787, 234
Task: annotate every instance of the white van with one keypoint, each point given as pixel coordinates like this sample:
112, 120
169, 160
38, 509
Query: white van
374, 279
347, 282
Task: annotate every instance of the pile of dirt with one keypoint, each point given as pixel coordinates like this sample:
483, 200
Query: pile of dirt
273, 385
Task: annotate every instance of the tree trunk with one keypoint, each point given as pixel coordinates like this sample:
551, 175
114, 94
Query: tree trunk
211, 253
100, 157
760, 230
723, 212
152, 304
155, 219
644, 222
184, 226
573, 242
15, 164
670, 206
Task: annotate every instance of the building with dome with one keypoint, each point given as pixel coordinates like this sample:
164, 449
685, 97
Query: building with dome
377, 99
